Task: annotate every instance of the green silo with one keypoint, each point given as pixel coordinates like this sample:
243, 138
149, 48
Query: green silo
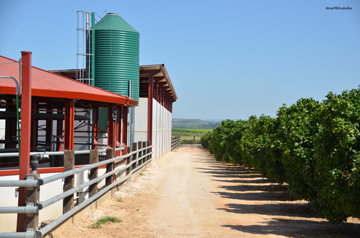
116, 55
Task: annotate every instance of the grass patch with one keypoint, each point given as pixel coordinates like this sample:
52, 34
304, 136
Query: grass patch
104, 220
190, 136
141, 174
190, 131
120, 199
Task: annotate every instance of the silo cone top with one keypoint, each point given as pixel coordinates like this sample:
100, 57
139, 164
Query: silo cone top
112, 21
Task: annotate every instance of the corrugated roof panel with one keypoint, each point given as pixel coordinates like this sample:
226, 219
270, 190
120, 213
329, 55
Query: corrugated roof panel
48, 84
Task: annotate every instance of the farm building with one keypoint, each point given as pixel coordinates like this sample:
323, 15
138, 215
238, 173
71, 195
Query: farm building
153, 125
111, 102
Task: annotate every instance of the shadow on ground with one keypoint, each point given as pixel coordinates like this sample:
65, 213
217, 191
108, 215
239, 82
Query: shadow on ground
314, 229
254, 194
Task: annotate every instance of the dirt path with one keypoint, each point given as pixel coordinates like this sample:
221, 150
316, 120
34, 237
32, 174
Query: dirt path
189, 194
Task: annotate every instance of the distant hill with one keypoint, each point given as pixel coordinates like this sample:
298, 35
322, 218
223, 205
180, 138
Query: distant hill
193, 124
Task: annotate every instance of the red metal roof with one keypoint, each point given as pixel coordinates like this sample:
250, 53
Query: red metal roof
48, 84
167, 84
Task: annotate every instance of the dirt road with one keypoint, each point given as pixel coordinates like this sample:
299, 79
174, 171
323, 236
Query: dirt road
189, 194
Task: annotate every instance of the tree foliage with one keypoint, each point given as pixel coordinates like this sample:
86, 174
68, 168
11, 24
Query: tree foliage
312, 146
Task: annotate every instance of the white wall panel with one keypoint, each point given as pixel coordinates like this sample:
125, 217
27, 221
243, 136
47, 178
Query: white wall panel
141, 118
161, 123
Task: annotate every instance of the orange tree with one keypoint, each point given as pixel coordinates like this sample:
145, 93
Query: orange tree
312, 146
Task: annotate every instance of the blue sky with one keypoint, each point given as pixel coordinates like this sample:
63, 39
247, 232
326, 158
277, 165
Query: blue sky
226, 59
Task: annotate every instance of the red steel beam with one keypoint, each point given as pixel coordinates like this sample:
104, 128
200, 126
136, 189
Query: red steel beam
157, 88
59, 129
150, 71
124, 127
156, 92
111, 129
69, 124
162, 84
162, 96
118, 128
25, 130
95, 127
158, 78
150, 105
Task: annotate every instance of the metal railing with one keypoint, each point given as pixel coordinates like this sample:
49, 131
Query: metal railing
175, 142
47, 153
136, 158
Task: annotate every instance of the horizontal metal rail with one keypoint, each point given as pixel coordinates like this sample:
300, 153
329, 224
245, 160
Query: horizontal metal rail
63, 195
68, 214
19, 183
30, 234
21, 209
175, 143
51, 153
34, 183
86, 167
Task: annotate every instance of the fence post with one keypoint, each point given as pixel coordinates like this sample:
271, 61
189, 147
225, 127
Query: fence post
69, 162
109, 166
128, 160
94, 158
134, 148
148, 150
140, 152
32, 196
144, 151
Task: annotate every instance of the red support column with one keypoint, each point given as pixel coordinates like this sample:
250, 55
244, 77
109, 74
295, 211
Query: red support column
156, 90
118, 128
159, 95
124, 127
111, 129
95, 127
59, 129
25, 130
165, 98
150, 106
162, 97
69, 124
